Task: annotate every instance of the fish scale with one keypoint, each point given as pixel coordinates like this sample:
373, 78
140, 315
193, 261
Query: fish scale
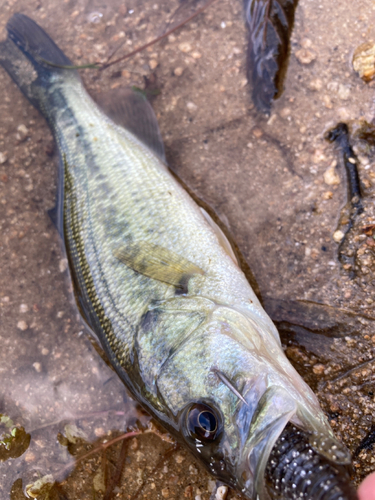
159, 285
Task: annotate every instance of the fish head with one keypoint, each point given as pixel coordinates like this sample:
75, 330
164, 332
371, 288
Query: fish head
236, 393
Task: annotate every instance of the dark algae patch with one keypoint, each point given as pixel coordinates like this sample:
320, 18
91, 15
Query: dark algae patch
14, 441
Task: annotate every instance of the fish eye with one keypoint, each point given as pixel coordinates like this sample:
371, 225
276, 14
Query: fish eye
202, 423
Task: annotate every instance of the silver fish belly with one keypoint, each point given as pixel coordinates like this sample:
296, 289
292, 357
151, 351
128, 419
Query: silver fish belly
158, 283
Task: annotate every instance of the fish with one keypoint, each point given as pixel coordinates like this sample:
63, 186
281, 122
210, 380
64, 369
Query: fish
158, 283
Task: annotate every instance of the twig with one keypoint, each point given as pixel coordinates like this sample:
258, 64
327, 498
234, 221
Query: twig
117, 475
157, 39
157, 466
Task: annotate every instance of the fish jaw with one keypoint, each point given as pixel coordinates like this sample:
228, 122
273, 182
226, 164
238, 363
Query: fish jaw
271, 393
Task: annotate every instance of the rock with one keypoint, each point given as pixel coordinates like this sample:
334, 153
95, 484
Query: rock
191, 106
364, 61
178, 71
221, 493
318, 369
305, 56
3, 158
338, 236
37, 366
331, 177
315, 84
343, 92
63, 265
22, 132
327, 195
257, 132
153, 63
22, 325
185, 47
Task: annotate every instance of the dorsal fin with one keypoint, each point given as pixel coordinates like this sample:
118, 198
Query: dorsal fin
130, 109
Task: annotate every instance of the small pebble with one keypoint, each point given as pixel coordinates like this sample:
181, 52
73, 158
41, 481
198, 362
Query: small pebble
179, 458
331, 177
178, 71
343, 92
316, 84
153, 63
364, 61
318, 369
29, 457
221, 493
134, 445
338, 236
99, 432
38, 367
285, 112
257, 132
191, 106
185, 47
327, 195
196, 55
22, 132
22, 325
165, 492
306, 43
44, 351
305, 56
211, 485
63, 265
24, 308
3, 158
193, 470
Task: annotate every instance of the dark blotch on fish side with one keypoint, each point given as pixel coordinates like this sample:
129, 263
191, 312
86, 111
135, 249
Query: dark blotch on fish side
296, 471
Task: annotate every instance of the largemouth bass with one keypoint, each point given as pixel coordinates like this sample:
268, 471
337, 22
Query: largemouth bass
159, 284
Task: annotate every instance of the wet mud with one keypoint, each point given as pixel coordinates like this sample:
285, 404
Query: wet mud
275, 182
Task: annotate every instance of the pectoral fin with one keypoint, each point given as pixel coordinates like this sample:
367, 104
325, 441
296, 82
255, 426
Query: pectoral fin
158, 263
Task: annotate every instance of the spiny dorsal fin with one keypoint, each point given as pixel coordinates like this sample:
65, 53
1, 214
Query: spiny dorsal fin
158, 263
130, 109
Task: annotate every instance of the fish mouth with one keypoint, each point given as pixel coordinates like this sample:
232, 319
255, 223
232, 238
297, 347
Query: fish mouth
295, 469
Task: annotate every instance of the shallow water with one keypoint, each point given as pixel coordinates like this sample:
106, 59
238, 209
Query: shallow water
264, 177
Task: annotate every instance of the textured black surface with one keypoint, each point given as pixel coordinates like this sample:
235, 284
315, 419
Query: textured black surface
296, 471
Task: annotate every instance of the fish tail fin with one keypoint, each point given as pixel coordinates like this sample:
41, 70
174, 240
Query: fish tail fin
31, 57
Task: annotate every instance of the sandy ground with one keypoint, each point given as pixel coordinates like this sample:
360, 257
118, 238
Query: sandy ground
272, 181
